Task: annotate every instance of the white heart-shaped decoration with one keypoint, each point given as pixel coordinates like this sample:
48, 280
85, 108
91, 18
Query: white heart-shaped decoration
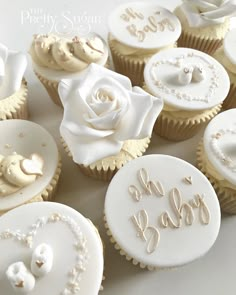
33, 165
162, 73
79, 246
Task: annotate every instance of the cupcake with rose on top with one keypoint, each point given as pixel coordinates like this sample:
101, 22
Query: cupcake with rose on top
204, 23
55, 58
106, 122
13, 87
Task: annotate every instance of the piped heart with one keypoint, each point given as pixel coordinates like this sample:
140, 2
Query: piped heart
33, 165
189, 179
39, 263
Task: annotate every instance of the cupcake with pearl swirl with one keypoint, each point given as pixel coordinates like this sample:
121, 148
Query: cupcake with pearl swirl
106, 121
204, 23
13, 87
193, 86
216, 158
55, 58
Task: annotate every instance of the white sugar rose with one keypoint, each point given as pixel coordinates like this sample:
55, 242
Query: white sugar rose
12, 68
101, 111
207, 12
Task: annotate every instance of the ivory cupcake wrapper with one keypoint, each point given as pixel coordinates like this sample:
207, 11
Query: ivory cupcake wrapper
206, 45
51, 87
230, 101
48, 193
226, 196
122, 252
129, 66
15, 106
182, 129
106, 168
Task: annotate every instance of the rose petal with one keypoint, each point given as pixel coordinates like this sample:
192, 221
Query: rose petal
3, 52
140, 117
101, 72
106, 122
81, 148
14, 71
67, 88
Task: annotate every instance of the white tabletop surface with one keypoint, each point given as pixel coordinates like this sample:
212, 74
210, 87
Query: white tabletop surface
215, 272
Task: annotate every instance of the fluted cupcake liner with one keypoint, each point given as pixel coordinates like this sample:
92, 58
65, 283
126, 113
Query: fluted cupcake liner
48, 193
226, 196
177, 129
123, 253
207, 45
16, 105
106, 168
230, 101
51, 87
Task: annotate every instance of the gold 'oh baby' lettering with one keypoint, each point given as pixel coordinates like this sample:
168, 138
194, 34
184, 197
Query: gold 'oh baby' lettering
180, 212
151, 25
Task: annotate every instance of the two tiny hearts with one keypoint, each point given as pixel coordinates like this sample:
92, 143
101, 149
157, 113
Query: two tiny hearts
21, 279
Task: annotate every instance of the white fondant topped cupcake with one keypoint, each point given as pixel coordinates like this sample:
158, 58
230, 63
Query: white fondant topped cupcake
29, 163
160, 218
144, 25
220, 146
41, 261
187, 79
230, 50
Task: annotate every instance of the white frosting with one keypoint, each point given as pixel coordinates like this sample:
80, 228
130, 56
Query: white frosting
101, 111
20, 278
42, 260
162, 72
59, 74
78, 253
203, 13
148, 226
144, 25
230, 46
12, 68
220, 144
27, 138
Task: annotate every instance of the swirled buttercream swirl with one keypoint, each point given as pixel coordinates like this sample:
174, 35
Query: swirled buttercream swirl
71, 55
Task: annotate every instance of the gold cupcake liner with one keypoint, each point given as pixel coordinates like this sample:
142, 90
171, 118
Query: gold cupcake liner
106, 168
16, 105
48, 193
226, 196
230, 101
123, 253
207, 45
51, 87
181, 129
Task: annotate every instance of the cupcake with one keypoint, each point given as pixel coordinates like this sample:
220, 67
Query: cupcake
216, 157
29, 164
192, 85
156, 217
226, 55
41, 261
55, 58
204, 23
13, 87
137, 30
106, 122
